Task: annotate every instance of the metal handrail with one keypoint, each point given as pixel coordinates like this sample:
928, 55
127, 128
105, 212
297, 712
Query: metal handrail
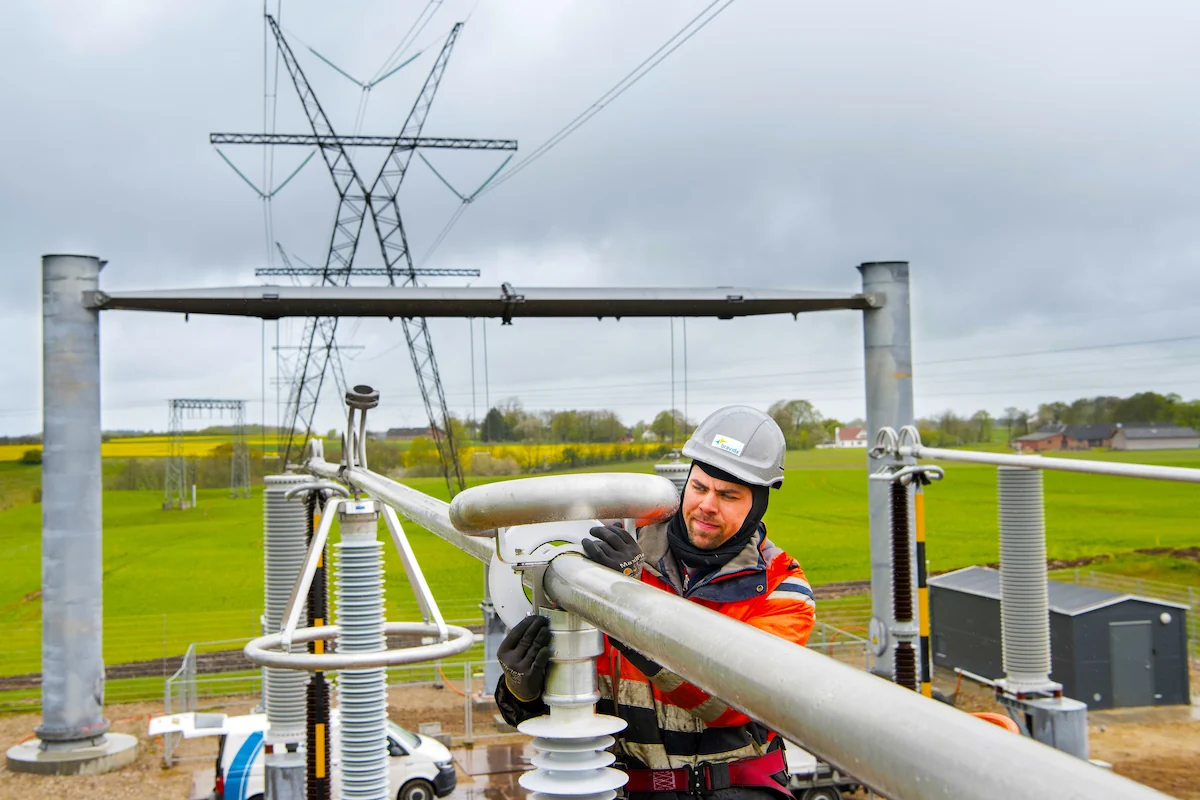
894, 740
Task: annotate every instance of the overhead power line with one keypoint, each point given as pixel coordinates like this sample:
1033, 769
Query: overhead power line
693, 26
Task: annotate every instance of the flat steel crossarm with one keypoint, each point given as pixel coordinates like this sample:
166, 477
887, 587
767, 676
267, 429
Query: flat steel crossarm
331, 139
893, 739
377, 272
505, 302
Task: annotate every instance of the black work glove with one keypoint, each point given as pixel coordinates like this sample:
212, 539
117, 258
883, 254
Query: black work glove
616, 549
523, 655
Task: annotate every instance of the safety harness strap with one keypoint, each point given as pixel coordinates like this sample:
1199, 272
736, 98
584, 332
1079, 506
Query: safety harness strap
707, 777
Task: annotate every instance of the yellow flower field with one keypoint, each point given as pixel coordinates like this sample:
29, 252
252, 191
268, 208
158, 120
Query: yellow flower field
148, 447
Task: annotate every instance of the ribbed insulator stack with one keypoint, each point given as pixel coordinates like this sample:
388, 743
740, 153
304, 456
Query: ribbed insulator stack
362, 693
572, 762
284, 548
1024, 612
675, 473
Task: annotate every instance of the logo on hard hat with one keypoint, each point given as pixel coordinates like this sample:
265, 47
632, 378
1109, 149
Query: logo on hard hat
728, 445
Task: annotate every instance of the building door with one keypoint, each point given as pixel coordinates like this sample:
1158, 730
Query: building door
1131, 656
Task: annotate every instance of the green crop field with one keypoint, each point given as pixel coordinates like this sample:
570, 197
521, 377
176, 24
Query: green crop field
171, 578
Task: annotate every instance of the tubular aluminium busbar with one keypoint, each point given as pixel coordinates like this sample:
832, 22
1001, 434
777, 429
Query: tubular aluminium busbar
901, 744
1117, 470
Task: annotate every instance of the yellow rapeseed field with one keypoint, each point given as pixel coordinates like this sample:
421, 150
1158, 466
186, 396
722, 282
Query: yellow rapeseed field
534, 456
148, 447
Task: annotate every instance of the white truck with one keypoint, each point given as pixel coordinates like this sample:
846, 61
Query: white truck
419, 768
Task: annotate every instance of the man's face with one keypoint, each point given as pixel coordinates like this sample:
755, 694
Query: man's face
714, 510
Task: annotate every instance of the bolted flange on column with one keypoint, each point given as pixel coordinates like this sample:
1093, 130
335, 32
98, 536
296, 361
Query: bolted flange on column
573, 762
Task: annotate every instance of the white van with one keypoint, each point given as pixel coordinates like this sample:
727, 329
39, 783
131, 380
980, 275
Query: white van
419, 768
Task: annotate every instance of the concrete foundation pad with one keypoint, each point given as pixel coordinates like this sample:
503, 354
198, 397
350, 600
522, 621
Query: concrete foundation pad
116, 751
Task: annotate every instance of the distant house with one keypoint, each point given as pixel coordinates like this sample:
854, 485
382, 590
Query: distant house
649, 436
1085, 437
1154, 436
408, 434
1054, 438
850, 437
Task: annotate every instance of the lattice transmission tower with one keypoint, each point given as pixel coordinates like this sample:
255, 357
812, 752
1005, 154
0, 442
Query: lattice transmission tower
356, 201
176, 494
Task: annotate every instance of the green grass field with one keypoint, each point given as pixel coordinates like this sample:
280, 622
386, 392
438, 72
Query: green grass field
171, 578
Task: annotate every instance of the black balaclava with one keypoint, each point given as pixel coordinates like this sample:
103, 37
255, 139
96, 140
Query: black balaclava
699, 558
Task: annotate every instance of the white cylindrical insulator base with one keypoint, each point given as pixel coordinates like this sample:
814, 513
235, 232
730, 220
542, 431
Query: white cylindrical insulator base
362, 693
284, 548
1024, 611
572, 741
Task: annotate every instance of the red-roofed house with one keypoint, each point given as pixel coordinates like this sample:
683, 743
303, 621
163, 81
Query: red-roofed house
850, 437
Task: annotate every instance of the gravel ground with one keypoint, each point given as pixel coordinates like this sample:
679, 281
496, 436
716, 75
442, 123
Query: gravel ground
145, 778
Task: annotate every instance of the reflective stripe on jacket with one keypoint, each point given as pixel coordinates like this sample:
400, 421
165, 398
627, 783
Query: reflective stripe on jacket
673, 723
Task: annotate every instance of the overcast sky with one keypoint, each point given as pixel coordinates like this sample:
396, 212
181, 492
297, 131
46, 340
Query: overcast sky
1038, 164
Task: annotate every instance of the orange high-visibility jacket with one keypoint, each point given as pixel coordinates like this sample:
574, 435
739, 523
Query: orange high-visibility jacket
671, 722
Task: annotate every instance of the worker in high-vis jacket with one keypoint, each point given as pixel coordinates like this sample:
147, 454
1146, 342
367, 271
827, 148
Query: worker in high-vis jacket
681, 741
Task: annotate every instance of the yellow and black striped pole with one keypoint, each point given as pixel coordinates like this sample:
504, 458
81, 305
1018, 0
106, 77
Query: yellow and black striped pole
924, 652
319, 786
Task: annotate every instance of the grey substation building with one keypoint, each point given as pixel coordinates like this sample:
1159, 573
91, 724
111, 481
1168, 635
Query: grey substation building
1107, 649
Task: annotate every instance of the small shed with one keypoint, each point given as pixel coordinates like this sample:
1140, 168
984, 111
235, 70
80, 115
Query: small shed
1107, 649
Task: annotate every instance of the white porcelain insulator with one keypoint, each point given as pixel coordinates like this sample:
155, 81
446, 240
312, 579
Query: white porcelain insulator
362, 693
284, 547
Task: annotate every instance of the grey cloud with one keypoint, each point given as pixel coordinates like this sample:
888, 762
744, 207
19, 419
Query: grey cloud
1032, 161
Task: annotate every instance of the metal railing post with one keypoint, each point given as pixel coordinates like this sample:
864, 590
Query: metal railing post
887, 341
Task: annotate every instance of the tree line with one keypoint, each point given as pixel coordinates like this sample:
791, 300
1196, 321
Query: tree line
949, 428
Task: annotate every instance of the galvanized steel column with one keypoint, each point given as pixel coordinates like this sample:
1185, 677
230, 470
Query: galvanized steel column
887, 340
72, 658
1024, 608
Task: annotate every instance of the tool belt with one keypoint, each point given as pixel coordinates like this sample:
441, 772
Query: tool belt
707, 777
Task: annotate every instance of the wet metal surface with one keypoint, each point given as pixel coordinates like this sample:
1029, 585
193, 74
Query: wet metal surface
492, 771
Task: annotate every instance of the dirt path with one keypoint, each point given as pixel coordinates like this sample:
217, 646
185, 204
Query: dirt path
1163, 755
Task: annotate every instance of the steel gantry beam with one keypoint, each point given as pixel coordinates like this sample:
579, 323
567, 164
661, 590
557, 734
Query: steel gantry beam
504, 302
